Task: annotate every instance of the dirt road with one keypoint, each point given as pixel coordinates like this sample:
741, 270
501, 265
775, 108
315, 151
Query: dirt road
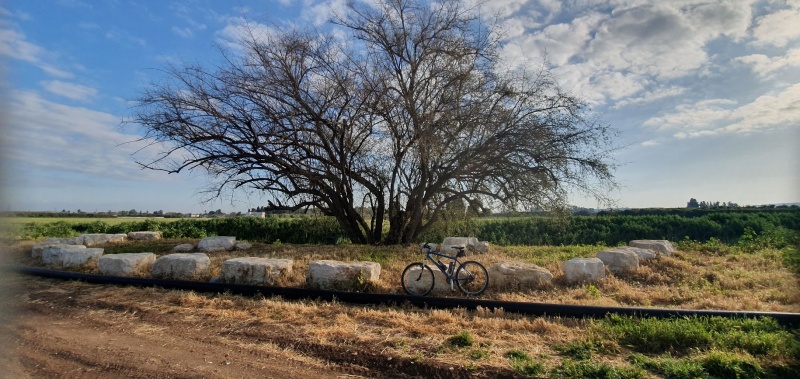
55, 333
59, 329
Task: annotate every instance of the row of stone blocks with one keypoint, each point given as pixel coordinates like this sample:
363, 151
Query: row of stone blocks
333, 274
618, 260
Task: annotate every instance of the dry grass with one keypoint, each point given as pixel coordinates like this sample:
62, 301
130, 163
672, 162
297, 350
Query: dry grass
685, 280
689, 280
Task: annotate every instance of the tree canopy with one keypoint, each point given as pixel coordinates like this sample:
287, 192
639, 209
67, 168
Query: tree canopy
397, 110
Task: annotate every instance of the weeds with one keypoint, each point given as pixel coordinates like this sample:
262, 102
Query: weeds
523, 364
593, 370
463, 339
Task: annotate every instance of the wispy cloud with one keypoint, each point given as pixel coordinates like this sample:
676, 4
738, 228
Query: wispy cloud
767, 66
15, 45
721, 116
124, 37
44, 136
70, 90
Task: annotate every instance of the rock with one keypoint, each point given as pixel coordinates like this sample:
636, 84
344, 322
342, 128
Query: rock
181, 266
661, 246
144, 236
70, 255
36, 251
619, 260
326, 274
643, 254
256, 271
212, 244
578, 270
480, 247
126, 264
243, 245
433, 246
471, 245
183, 248
101, 238
519, 275
440, 284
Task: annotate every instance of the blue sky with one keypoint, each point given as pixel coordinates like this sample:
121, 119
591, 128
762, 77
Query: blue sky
705, 94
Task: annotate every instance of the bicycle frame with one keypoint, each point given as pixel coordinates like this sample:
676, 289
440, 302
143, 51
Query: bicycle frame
429, 255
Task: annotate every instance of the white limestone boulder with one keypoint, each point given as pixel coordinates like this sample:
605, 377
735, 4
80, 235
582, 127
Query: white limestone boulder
144, 236
70, 255
642, 254
255, 271
619, 261
440, 284
577, 270
327, 274
186, 266
243, 245
95, 239
660, 246
471, 245
36, 251
220, 243
126, 264
519, 275
183, 248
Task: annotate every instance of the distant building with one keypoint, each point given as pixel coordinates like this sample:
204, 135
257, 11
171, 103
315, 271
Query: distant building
256, 214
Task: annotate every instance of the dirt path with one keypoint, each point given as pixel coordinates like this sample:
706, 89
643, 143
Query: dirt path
57, 333
60, 329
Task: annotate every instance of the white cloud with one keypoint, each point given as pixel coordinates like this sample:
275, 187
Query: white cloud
616, 50
14, 44
766, 66
70, 90
775, 109
122, 36
722, 116
47, 137
183, 32
240, 29
778, 28
651, 96
698, 115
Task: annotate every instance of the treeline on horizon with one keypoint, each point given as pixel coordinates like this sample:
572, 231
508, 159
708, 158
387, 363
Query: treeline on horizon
610, 230
576, 211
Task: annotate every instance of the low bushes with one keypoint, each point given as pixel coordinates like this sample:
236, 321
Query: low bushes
775, 228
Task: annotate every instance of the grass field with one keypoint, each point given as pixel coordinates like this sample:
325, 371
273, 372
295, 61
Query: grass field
760, 272
700, 276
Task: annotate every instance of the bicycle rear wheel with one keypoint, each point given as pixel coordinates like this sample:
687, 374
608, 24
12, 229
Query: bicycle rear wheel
472, 278
417, 279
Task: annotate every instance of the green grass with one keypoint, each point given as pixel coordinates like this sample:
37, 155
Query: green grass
523, 364
703, 347
463, 339
594, 370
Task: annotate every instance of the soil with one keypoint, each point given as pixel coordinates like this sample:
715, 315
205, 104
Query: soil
56, 329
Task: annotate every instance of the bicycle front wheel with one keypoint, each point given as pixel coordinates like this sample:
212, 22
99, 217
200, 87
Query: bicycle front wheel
417, 279
472, 278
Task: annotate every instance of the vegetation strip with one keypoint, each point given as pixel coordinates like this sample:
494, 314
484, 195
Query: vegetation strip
537, 309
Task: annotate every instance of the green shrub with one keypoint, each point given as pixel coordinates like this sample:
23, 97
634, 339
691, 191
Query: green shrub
463, 339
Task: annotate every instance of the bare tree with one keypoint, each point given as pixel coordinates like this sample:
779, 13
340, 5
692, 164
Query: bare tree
401, 110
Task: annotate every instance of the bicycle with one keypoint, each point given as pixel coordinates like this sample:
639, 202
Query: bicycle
470, 277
